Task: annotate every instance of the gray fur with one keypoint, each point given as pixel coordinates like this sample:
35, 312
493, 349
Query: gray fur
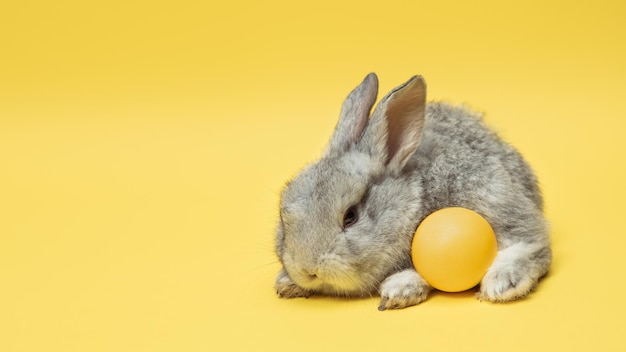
406, 161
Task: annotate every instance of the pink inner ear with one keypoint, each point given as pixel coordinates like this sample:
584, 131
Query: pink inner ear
405, 121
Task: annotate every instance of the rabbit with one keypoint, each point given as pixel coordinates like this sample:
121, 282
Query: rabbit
347, 220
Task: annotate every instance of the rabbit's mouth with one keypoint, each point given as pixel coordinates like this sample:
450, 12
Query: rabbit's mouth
335, 283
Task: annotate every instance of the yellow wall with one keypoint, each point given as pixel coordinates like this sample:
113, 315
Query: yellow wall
143, 145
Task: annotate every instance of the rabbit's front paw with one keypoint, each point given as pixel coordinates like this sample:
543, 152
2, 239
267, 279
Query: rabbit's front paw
285, 288
403, 289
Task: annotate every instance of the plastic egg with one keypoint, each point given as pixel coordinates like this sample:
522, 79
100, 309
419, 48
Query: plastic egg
453, 248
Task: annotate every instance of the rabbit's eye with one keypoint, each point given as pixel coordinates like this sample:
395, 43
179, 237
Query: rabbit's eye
350, 217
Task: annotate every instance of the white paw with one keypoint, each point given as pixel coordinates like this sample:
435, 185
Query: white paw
285, 288
511, 276
403, 289
505, 284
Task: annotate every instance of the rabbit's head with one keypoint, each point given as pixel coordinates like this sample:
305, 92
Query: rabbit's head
347, 220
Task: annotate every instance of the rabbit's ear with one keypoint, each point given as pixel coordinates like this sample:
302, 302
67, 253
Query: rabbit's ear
355, 113
395, 129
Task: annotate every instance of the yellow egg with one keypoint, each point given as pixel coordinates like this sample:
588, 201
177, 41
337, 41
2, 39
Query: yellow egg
453, 248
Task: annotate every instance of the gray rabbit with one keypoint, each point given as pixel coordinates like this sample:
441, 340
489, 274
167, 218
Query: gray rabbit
347, 220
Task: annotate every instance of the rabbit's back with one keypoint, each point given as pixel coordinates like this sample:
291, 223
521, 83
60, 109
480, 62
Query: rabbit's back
464, 163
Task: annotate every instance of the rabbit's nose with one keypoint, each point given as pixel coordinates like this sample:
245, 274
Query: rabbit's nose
310, 273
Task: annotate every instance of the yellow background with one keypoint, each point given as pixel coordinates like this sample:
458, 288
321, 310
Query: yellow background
143, 145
